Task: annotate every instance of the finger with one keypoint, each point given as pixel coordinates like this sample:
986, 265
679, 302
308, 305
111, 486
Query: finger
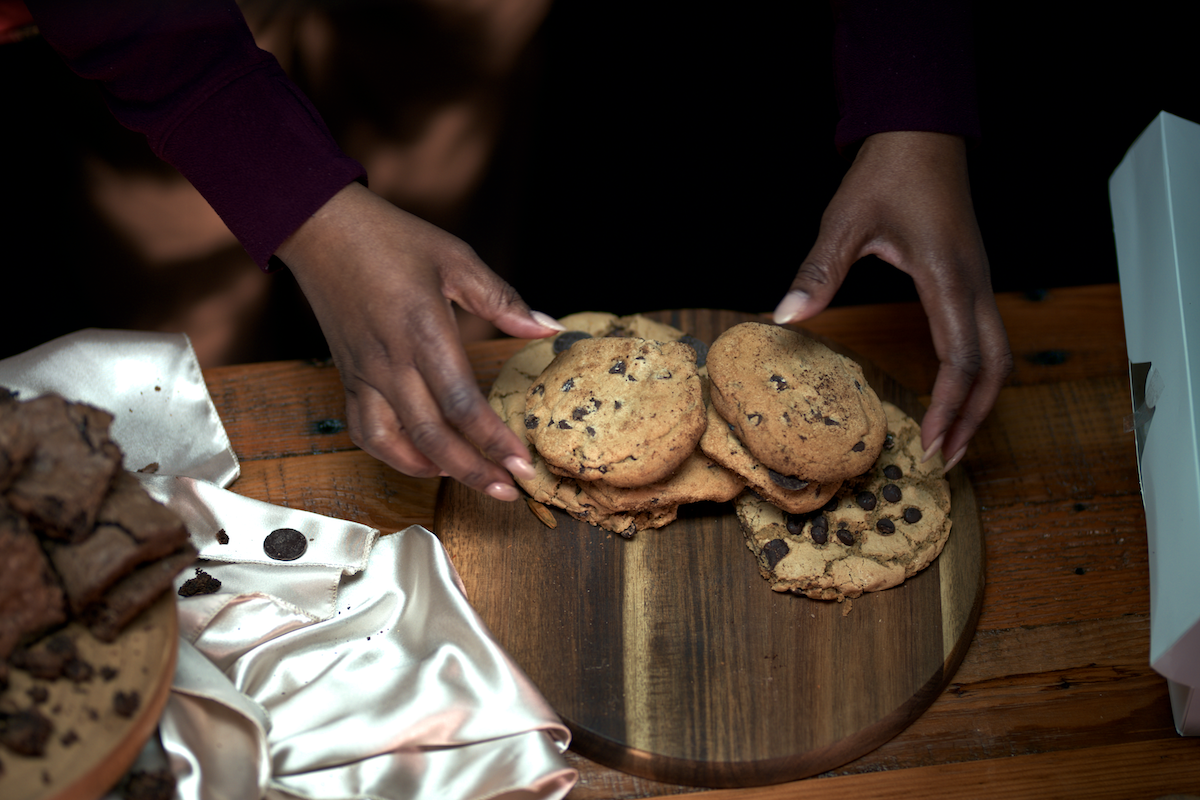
820, 275
449, 422
485, 294
996, 366
375, 428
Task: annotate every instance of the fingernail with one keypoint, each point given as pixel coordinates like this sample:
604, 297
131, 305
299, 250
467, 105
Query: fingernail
954, 459
502, 491
933, 448
547, 321
790, 306
520, 468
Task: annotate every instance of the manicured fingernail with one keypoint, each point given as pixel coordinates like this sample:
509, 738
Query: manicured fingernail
520, 468
547, 321
790, 306
933, 448
954, 459
502, 491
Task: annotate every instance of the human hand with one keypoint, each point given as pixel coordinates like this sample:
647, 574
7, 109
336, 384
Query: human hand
906, 199
381, 282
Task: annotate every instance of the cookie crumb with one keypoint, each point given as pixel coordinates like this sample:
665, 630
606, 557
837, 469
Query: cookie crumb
203, 583
126, 704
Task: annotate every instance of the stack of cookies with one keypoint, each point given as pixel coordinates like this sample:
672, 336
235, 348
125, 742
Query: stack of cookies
843, 502
626, 419
613, 410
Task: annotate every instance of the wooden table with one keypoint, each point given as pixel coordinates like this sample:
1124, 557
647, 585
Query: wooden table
1055, 697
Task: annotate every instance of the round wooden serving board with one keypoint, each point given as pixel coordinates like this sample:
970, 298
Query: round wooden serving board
92, 745
669, 657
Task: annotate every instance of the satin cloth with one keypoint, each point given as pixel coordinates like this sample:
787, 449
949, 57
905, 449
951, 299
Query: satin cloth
358, 670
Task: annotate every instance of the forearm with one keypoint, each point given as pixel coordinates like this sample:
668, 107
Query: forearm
189, 76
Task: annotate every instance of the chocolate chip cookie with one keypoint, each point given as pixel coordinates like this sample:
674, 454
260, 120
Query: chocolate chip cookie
721, 444
801, 409
878, 530
622, 511
627, 411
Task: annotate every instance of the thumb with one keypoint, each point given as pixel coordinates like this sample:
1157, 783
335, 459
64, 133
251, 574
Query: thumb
817, 281
485, 294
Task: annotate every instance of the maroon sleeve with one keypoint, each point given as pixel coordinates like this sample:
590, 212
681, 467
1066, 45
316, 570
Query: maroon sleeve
188, 75
904, 65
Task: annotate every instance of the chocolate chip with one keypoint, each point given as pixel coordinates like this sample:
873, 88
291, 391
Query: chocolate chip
617, 368
891, 493
579, 413
820, 530
568, 384
666, 377
845, 536
831, 506
780, 383
830, 421
700, 347
866, 500
859, 447
889, 442
26, 732
892, 472
885, 526
786, 481
912, 515
756, 419
795, 523
774, 551
126, 704
563, 341
539, 389
203, 583
285, 544
616, 405
531, 421
590, 430
629, 532
222, 537
564, 425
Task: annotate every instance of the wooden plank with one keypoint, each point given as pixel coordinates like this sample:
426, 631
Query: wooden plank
1055, 441
347, 485
1154, 769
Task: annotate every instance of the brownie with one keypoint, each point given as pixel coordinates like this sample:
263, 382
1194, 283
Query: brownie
109, 615
63, 484
16, 441
132, 528
31, 600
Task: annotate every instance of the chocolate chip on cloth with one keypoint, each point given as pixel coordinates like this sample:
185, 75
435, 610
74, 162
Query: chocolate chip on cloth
285, 544
799, 408
855, 543
627, 411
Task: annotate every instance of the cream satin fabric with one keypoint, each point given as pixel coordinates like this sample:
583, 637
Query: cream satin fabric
357, 671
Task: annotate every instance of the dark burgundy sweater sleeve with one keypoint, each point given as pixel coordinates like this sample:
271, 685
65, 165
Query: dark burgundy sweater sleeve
904, 65
188, 75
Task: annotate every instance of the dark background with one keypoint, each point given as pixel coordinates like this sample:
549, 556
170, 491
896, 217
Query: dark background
658, 156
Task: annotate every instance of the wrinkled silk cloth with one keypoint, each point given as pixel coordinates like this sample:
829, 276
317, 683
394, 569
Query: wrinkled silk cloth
358, 670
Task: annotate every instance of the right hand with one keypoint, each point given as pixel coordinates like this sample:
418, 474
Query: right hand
381, 282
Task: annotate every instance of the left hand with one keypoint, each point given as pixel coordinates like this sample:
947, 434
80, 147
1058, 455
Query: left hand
907, 200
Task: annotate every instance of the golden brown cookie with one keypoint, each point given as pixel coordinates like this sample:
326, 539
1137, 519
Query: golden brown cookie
877, 531
721, 444
801, 409
603, 505
626, 411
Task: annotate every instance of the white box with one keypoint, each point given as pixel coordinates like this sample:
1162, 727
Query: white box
1155, 199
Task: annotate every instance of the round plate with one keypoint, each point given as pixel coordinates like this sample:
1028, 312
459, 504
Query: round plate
670, 657
92, 745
